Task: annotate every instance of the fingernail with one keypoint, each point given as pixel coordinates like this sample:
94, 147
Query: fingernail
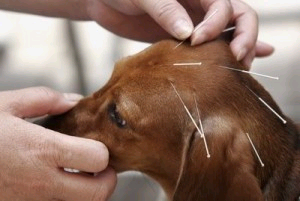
241, 54
182, 29
72, 97
198, 38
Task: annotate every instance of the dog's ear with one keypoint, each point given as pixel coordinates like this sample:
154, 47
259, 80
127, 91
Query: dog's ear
238, 164
230, 171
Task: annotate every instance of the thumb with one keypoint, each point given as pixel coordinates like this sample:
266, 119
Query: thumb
170, 15
36, 101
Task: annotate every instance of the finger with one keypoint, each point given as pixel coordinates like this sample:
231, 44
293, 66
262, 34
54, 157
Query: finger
123, 25
77, 153
170, 15
248, 59
37, 101
263, 49
79, 187
212, 28
63, 151
245, 35
126, 7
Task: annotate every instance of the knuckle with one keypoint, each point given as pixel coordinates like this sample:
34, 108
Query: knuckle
63, 156
246, 8
50, 153
13, 107
46, 93
163, 8
44, 151
249, 45
229, 8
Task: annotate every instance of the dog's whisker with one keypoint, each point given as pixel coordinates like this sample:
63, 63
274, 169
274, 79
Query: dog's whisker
198, 27
255, 150
228, 29
188, 64
202, 134
268, 106
188, 112
249, 72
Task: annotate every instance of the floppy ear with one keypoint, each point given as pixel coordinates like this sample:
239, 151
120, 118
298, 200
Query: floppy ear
241, 181
238, 164
228, 175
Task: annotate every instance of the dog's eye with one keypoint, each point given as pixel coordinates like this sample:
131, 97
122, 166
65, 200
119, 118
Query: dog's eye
115, 116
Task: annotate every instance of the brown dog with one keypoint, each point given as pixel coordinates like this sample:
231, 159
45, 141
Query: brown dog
141, 120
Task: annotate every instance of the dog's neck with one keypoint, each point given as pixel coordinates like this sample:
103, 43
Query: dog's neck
188, 178
166, 175
199, 173
232, 164
202, 173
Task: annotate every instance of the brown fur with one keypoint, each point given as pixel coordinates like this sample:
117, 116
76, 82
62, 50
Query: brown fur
158, 128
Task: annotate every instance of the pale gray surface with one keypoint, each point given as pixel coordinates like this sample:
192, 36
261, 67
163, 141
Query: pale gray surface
136, 186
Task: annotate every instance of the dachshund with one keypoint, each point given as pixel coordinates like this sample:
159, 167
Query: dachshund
146, 128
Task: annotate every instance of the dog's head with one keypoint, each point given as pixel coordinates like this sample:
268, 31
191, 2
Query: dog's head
141, 120
138, 107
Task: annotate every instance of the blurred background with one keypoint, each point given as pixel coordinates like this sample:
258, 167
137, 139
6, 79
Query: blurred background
79, 57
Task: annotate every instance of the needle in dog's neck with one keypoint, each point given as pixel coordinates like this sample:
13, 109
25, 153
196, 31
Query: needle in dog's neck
201, 126
261, 163
244, 71
266, 104
199, 26
188, 64
191, 117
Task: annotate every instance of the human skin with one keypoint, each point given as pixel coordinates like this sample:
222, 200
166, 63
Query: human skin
153, 20
32, 158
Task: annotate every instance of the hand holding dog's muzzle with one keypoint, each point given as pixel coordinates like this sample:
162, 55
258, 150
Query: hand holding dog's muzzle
33, 158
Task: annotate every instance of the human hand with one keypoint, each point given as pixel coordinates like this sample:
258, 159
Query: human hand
152, 20
32, 158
